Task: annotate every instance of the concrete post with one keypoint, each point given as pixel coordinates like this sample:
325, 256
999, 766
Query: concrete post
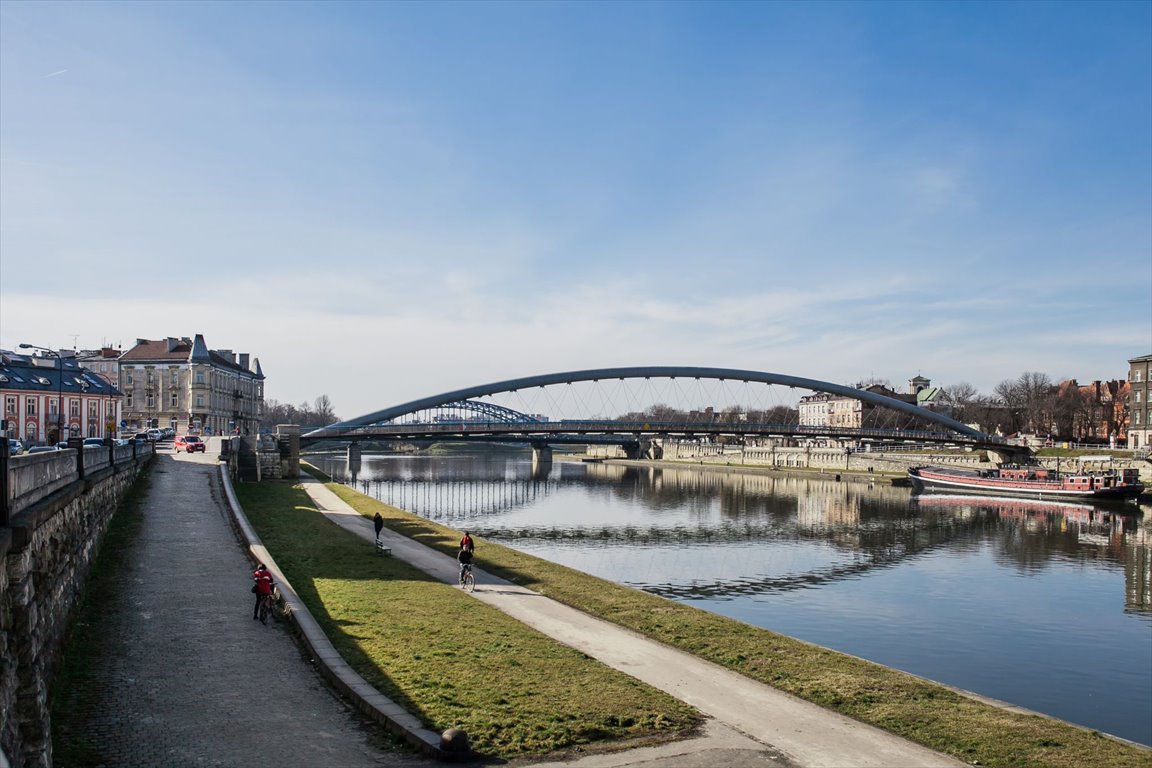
354, 459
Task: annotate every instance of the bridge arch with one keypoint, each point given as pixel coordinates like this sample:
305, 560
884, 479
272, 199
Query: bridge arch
340, 429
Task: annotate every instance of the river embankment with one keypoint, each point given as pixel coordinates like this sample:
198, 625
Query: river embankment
931, 714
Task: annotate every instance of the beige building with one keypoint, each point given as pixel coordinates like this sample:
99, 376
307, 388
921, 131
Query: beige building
180, 383
1140, 415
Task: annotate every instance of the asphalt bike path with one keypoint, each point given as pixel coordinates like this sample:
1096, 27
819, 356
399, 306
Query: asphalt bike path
180, 675
785, 730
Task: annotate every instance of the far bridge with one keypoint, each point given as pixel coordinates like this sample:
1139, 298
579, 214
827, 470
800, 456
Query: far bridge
628, 407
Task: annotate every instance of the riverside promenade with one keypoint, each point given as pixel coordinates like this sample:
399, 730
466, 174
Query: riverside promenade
176, 673
179, 674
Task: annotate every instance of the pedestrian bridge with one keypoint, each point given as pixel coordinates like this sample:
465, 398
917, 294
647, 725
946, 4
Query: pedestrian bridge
636, 407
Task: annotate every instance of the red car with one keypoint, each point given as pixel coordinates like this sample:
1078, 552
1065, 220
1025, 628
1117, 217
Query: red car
188, 443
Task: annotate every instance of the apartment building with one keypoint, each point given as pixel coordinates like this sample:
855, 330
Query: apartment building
1140, 415
180, 383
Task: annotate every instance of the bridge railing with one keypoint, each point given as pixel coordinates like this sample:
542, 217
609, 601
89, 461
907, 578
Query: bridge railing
418, 429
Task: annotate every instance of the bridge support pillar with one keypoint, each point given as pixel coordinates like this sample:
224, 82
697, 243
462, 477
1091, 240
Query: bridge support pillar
541, 461
354, 459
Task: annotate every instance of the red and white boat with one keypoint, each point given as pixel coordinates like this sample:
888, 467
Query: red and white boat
1029, 481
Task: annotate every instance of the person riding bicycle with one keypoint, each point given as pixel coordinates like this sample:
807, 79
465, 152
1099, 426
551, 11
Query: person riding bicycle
464, 556
263, 587
467, 543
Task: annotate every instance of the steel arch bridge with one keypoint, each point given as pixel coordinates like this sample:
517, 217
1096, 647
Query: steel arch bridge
439, 417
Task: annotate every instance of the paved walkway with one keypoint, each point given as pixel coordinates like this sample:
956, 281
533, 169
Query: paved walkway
180, 674
754, 724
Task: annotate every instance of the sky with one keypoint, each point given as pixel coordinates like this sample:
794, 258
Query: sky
384, 201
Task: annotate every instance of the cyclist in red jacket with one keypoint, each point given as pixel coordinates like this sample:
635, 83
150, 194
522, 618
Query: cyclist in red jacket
263, 581
467, 543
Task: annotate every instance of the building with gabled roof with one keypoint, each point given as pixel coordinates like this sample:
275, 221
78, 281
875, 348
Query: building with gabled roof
182, 384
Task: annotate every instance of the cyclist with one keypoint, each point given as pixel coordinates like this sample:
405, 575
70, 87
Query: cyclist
467, 543
464, 556
263, 587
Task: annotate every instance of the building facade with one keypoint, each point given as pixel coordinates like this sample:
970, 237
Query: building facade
47, 399
180, 383
1139, 414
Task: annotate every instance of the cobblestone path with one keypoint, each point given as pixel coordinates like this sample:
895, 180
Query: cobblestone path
174, 670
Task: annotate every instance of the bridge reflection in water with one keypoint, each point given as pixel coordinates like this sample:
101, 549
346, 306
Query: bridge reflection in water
858, 527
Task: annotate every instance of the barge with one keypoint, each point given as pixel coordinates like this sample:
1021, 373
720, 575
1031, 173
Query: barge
1030, 481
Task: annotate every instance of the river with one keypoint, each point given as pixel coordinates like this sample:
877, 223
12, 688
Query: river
1047, 606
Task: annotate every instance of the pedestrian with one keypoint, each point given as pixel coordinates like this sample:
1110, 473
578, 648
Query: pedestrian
378, 523
466, 543
262, 585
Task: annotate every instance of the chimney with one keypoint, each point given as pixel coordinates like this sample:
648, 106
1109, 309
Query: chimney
172, 343
244, 356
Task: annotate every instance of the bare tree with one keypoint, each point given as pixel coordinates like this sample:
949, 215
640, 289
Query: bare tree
962, 399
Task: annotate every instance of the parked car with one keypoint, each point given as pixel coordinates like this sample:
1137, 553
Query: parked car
42, 448
154, 434
189, 444
15, 447
93, 442
142, 437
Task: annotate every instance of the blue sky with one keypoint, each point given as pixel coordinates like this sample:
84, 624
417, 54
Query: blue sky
383, 201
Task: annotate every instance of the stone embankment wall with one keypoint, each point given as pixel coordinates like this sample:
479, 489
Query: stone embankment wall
837, 459
56, 508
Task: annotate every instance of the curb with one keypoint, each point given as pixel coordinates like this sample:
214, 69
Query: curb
332, 666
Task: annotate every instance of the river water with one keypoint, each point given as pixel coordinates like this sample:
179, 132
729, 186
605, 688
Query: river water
1047, 606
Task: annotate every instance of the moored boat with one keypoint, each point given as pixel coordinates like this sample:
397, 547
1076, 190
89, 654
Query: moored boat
1030, 481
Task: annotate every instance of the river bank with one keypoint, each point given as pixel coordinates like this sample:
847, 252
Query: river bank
930, 713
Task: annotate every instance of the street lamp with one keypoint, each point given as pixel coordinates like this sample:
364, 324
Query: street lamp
60, 390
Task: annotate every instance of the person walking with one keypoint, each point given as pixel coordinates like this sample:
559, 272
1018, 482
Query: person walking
378, 524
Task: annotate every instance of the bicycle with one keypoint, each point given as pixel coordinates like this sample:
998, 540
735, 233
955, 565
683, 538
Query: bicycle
467, 580
265, 609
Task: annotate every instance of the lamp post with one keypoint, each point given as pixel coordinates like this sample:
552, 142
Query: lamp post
60, 387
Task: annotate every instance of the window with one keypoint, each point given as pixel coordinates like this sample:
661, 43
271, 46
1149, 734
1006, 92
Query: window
174, 400
53, 407
151, 402
30, 406
128, 378
128, 400
10, 405
199, 377
1136, 418
1137, 394
199, 401
1136, 376
93, 410
74, 407
175, 375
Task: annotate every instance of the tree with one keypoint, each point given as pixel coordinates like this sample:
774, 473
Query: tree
963, 399
304, 415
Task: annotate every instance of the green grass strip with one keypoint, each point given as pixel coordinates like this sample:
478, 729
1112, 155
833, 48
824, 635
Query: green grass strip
920, 710
446, 657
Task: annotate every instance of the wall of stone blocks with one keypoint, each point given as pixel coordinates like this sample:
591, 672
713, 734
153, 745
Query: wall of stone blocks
47, 552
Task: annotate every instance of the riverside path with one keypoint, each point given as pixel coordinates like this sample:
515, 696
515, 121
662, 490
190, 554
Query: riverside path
178, 674
752, 723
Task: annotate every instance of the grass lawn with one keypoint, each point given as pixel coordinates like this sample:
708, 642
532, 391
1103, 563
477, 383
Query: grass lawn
447, 658
920, 710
